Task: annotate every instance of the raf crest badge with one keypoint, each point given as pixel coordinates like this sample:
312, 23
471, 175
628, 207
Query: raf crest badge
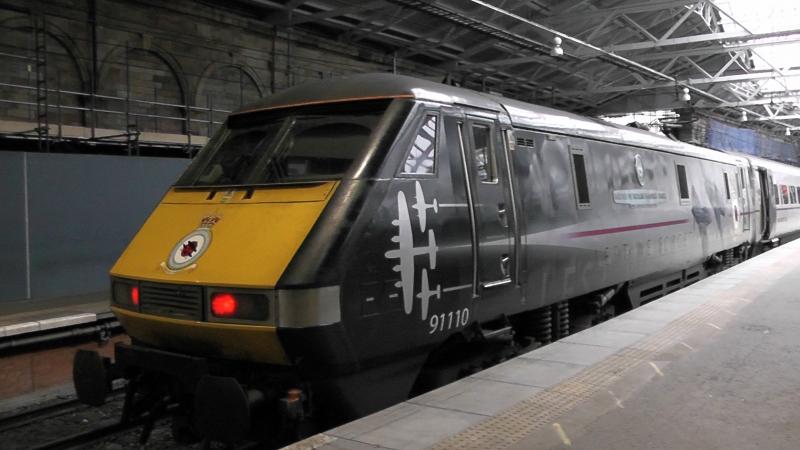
190, 247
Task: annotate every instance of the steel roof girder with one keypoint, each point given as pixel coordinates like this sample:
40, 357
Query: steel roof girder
718, 49
644, 7
688, 13
690, 81
708, 37
761, 101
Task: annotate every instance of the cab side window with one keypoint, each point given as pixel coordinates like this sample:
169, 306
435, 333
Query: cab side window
421, 158
484, 153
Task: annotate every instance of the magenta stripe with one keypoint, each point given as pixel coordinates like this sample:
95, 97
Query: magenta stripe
626, 228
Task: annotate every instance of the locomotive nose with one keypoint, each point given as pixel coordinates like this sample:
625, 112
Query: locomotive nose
246, 239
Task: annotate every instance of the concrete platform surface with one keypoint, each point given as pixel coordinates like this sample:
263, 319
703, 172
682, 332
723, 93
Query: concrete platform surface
715, 365
30, 316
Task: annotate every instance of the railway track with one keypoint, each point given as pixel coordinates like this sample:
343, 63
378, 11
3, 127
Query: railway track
80, 440
48, 411
35, 417
28, 417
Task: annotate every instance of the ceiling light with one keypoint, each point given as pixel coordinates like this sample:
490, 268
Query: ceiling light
686, 97
788, 131
557, 50
743, 117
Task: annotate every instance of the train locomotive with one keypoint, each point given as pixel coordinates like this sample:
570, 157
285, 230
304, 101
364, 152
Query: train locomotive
335, 248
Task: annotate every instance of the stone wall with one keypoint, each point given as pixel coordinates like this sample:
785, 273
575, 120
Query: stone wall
175, 53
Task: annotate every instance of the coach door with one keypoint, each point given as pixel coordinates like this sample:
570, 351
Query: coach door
488, 186
767, 203
744, 197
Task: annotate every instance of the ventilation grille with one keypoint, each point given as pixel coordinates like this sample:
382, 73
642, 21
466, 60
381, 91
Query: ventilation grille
172, 300
524, 142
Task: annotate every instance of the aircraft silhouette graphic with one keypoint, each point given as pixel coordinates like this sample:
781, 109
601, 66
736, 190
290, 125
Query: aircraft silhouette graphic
406, 251
426, 293
422, 207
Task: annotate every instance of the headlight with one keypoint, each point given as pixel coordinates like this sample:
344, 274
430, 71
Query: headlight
125, 294
238, 306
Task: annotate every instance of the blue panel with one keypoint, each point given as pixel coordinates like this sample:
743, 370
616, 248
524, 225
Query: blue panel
722, 136
12, 227
84, 209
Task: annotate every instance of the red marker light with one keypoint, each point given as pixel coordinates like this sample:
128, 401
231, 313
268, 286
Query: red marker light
135, 295
223, 305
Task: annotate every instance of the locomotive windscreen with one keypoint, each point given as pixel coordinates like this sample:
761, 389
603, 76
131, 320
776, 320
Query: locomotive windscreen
305, 144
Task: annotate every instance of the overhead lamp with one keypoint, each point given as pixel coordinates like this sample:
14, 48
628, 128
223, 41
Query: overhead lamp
788, 131
743, 117
557, 50
686, 97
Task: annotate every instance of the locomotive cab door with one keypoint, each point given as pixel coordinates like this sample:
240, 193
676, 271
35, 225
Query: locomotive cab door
486, 165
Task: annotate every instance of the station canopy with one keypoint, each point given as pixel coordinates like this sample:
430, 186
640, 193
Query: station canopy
596, 57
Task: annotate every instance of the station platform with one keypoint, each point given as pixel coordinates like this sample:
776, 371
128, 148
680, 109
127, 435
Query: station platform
38, 339
33, 316
712, 366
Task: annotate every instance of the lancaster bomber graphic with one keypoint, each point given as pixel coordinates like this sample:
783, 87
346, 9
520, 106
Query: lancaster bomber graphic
422, 208
406, 251
426, 293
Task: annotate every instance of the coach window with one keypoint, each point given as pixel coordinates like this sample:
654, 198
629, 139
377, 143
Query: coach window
421, 158
683, 185
776, 194
785, 194
581, 181
727, 186
484, 153
739, 182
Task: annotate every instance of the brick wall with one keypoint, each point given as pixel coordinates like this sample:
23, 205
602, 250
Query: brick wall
178, 52
38, 370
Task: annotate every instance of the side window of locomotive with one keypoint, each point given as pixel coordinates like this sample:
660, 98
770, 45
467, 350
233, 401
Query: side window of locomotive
683, 184
581, 181
775, 194
785, 194
421, 158
483, 153
727, 186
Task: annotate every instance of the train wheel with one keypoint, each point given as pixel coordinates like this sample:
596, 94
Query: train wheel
182, 430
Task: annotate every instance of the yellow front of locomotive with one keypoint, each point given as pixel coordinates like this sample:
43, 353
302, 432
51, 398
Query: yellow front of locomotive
198, 278
201, 276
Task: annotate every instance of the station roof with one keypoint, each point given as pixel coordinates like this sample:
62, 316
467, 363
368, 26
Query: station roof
618, 56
